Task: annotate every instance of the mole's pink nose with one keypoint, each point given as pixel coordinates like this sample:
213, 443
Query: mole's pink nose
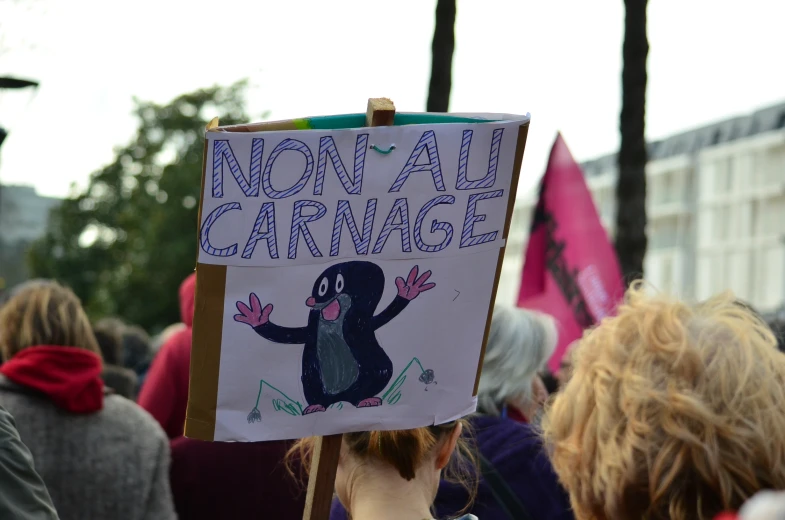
310, 302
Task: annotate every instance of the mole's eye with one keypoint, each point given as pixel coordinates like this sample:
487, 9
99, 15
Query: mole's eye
339, 283
323, 286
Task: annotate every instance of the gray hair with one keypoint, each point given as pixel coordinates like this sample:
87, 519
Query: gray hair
519, 345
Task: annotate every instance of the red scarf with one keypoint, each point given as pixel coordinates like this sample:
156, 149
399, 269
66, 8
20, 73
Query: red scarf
69, 376
516, 415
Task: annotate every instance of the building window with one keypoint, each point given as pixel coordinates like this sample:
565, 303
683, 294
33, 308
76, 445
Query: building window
667, 187
755, 218
753, 176
772, 277
721, 224
775, 167
773, 217
729, 173
722, 182
718, 276
664, 233
667, 273
598, 197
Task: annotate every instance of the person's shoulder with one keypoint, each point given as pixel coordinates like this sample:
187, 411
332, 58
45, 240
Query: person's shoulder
179, 340
8, 387
127, 415
258, 452
185, 448
177, 347
7, 425
20, 401
488, 427
501, 439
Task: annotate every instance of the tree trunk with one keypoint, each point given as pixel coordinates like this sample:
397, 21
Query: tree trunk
631, 187
441, 51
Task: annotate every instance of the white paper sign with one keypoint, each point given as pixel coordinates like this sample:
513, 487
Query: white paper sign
361, 266
285, 198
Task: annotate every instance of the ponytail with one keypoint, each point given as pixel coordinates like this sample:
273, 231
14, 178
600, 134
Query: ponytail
405, 450
402, 449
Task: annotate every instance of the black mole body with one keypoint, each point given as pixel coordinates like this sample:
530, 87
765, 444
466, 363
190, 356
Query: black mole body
342, 359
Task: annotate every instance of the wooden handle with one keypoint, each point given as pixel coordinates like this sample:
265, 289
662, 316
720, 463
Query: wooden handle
324, 463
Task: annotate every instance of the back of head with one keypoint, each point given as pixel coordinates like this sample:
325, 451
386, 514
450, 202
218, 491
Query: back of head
122, 380
519, 345
44, 313
404, 451
109, 334
674, 411
136, 347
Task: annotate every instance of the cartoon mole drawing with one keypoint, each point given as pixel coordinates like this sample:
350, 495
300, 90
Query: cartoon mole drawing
342, 360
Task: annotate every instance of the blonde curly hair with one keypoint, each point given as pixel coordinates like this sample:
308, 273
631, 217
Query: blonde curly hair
674, 411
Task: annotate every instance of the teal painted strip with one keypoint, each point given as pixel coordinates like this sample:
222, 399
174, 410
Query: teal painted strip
358, 120
337, 122
433, 119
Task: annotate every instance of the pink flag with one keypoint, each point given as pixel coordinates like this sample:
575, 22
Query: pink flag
571, 271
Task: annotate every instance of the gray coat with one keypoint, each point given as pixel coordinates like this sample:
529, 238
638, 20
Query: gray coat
22, 492
109, 465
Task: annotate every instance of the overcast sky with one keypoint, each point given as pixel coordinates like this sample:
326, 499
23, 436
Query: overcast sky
560, 60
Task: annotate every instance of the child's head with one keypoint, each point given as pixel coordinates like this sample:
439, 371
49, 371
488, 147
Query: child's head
417, 455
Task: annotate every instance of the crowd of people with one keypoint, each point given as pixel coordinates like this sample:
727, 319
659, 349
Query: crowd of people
668, 410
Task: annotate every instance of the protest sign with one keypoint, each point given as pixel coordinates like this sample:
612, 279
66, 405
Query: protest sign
570, 271
345, 274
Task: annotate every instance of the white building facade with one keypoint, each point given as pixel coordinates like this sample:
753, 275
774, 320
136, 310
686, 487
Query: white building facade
716, 212
23, 213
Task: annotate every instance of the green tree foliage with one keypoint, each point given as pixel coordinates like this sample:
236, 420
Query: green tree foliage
125, 244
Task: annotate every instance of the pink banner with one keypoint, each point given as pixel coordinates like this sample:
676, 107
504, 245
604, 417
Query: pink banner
571, 271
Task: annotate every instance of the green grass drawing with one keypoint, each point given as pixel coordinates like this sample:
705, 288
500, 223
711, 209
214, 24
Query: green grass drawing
398, 383
287, 404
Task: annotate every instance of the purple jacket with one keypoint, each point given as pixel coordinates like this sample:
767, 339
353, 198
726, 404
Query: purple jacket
516, 451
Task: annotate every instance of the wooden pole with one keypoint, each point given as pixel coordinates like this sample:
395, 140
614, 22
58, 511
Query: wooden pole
327, 449
321, 482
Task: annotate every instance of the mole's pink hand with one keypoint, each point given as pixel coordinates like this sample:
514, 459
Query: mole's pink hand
413, 286
255, 315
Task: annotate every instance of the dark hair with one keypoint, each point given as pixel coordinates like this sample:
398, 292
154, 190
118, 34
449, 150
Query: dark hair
550, 381
136, 347
109, 333
777, 326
